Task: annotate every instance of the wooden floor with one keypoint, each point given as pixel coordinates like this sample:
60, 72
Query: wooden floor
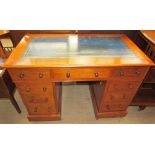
76, 108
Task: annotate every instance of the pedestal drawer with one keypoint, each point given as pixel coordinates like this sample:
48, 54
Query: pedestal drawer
109, 107
41, 109
38, 99
36, 88
117, 97
129, 86
29, 74
40, 104
127, 72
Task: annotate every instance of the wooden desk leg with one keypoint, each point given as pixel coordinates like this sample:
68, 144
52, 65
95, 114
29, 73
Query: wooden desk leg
14, 103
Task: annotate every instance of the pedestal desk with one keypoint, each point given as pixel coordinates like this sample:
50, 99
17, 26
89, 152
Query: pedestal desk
112, 64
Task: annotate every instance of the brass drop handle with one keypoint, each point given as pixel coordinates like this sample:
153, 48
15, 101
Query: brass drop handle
101, 82
137, 72
96, 74
44, 89
68, 75
35, 109
41, 75
28, 89
130, 86
121, 73
21, 75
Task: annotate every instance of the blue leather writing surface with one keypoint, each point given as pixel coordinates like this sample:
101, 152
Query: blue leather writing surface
73, 46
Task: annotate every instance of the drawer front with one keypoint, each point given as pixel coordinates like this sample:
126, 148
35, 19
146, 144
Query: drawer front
67, 74
29, 88
38, 99
117, 97
129, 86
134, 72
108, 107
37, 104
29, 74
41, 109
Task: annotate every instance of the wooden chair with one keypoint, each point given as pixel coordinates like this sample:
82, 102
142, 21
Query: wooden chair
7, 88
5, 51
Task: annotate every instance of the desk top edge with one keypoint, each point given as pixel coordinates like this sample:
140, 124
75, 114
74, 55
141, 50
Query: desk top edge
27, 38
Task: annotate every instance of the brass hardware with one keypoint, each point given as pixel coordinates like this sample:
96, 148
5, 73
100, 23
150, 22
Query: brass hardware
41, 75
101, 82
96, 74
21, 75
67, 75
137, 72
28, 89
121, 73
44, 89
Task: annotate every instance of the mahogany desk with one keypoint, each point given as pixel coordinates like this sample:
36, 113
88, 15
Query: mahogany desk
113, 65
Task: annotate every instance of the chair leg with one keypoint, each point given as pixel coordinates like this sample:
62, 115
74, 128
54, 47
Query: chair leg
13, 101
141, 108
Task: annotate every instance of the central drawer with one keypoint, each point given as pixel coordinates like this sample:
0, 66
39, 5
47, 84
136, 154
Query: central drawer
80, 74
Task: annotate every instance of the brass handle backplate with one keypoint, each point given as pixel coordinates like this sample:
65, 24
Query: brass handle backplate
44, 89
121, 73
96, 74
68, 75
41, 75
21, 75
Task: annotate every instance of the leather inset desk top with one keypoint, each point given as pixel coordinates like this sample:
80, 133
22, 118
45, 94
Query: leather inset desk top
71, 50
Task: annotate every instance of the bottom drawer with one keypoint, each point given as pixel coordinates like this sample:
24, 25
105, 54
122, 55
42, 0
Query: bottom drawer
113, 107
40, 105
41, 109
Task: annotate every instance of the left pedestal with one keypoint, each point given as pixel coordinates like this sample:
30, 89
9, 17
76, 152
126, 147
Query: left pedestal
41, 97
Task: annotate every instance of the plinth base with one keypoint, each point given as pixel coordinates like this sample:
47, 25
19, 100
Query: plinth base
53, 117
